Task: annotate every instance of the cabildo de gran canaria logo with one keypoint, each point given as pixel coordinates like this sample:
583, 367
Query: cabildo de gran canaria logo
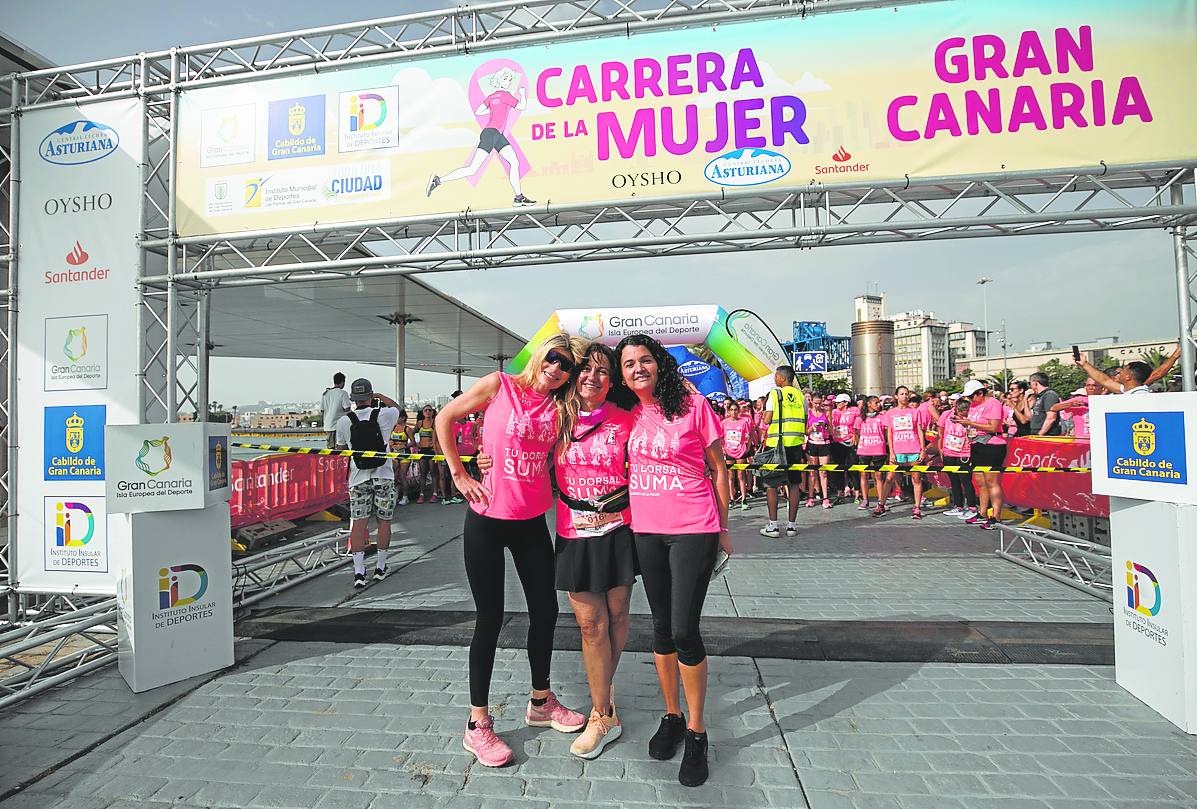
1147, 447
78, 142
154, 456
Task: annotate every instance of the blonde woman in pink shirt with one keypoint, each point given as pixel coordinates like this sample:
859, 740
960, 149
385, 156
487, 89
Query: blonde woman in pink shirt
506, 512
679, 494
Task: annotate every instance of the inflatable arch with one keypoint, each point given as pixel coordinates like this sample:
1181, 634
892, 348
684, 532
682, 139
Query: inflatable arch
741, 340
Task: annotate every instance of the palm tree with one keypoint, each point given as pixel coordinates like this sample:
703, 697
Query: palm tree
1002, 379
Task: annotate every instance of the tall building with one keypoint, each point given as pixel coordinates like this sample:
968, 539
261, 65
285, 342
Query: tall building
868, 307
920, 349
965, 340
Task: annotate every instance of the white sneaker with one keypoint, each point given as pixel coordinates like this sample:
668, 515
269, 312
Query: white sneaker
403, 501
967, 514
771, 531
953, 512
791, 530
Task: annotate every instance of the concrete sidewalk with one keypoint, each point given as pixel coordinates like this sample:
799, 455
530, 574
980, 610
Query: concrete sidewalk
379, 725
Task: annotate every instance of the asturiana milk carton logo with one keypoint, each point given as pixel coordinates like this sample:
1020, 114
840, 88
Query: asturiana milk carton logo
1144, 601
747, 167
79, 142
694, 368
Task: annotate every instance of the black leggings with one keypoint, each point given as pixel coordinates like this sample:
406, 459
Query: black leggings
962, 485
532, 551
676, 569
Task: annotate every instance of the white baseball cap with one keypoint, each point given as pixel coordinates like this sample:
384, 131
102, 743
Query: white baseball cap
1079, 391
843, 397
954, 397
972, 386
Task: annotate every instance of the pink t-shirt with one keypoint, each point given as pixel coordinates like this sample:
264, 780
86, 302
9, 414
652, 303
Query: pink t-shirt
1078, 406
844, 423
519, 433
953, 437
818, 428
736, 435
500, 103
593, 467
904, 425
988, 410
463, 433
670, 491
760, 425
872, 435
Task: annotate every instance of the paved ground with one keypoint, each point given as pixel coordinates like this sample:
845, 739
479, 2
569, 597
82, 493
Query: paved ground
348, 725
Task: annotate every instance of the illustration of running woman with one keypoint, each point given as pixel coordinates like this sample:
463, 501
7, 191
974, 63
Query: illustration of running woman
497, 107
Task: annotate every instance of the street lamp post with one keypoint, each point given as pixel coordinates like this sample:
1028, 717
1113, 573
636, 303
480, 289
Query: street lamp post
984, 281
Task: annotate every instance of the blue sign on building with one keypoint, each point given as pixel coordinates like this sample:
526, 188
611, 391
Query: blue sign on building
296, 127
74, 442
1146, 447
810, 362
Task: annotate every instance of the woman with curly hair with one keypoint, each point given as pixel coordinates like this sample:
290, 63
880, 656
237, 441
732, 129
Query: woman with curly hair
679, 517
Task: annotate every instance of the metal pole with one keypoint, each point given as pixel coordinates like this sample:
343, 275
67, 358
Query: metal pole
458, 369
203, 335
13, 261
401, 361
143, 319
1183, 298
1005, 356
172, 248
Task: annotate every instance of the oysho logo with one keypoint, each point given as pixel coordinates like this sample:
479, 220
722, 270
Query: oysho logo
168, 586
79, 142
74, 524
1135, 590
747, 167
154, 456
81, 203
842, 156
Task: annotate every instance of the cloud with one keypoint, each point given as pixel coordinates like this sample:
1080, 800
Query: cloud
433, 113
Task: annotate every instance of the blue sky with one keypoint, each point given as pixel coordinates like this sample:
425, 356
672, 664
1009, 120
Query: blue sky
1065, 289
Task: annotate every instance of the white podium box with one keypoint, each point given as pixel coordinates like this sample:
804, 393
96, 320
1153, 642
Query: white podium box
1141, 447
164, 467
174, 596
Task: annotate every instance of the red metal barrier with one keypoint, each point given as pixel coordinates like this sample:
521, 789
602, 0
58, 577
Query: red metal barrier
1047, 491
285, 487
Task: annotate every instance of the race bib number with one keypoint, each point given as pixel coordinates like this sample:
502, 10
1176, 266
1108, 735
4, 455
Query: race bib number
594, 523
955, 442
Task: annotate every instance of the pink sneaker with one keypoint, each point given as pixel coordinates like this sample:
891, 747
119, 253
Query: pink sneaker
488, 748
554, 715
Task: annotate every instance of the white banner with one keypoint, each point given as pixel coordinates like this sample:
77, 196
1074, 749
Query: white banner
76, 334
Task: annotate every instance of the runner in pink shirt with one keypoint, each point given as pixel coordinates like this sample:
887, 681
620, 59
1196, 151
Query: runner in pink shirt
506, 511
738, 433
904, 427
955, 448
819, 434
844, 421
871, 448
679, 493
988, 449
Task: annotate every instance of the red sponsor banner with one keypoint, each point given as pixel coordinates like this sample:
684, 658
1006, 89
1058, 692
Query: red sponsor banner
1050, 491
286, 487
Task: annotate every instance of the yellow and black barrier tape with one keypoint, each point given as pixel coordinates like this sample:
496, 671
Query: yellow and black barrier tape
764, 467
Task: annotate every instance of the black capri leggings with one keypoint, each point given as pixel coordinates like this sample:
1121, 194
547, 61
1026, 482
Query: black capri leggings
676, 569
963, 492
532, 551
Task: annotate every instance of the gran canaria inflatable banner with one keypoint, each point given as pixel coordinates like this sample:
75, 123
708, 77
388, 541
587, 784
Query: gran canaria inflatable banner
956, 87
740, 339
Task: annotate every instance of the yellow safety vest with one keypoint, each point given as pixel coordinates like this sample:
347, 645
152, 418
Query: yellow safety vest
789, 417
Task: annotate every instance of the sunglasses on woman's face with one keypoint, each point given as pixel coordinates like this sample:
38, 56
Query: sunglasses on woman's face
564, 361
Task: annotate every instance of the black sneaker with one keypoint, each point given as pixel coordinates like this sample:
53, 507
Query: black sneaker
359, 580
380, 573
522, 200
665, 742
693, 772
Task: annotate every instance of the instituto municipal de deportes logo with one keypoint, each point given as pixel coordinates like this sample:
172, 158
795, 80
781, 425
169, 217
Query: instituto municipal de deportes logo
168, 586
154, 456
74, 524
1143, 594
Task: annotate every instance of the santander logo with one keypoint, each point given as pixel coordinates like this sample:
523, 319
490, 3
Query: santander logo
842, 156
77, 256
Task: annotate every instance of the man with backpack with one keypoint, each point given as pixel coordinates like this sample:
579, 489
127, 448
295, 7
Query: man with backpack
371, 480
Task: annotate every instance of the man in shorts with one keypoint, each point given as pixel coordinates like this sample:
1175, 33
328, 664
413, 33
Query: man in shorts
371, 480
785, 418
